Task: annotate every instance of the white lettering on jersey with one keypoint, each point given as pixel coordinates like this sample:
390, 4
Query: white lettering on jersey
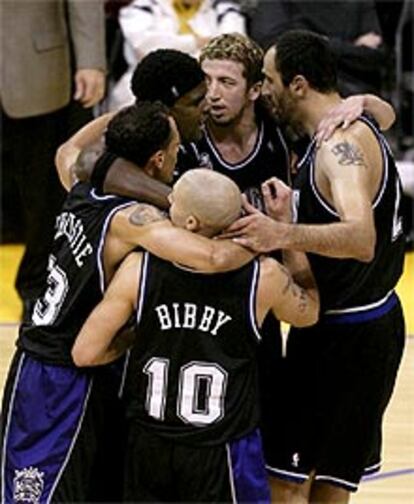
191, 316
164, 317
70, 226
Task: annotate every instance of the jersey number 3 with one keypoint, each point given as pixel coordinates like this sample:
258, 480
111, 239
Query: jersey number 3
47, 308
201, 391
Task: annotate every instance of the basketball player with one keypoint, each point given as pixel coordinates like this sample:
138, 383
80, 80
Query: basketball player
240, 138
243, 141
347, 196
167, 75
245, 144
191, 384
56, 419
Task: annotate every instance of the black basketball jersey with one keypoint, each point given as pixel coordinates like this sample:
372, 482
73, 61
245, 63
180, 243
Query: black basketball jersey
269, 158
192, 373
347, 283
75, 279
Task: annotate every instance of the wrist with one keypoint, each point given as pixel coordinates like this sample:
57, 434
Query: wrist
286, 235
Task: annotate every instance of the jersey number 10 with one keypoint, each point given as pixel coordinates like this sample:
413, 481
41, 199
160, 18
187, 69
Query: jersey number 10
201, 391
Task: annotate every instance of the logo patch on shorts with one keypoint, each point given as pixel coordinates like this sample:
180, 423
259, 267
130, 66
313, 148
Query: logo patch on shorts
295, 459
28, 485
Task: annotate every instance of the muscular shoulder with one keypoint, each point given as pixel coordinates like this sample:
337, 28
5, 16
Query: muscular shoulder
135, 217
355, 146
141, 214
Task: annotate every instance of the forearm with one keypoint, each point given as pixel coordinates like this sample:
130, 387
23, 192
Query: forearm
342, 240
189, 249
65, 161
125, 179
118, 346
89, 135
228, 256
299, 267
68, 153
382, 111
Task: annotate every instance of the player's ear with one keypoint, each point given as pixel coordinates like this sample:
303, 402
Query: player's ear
158, 158
299, 86
255, 91
192, 224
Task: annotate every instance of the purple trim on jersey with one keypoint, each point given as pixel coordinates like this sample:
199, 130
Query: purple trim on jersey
142, 286
252, 300
250, 482
140, 303
363, 316
44, 418
99, 253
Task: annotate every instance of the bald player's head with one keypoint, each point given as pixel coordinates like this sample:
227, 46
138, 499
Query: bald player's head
205, 202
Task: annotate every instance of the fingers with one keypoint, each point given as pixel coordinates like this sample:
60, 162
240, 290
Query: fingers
90, 87
343, 115
248, 207
79, 88
244, 242
269, 189
237, 227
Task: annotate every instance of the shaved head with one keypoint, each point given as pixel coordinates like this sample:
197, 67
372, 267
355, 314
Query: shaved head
212, 199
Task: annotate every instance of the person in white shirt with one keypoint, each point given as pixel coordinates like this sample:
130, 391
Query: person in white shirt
185, 25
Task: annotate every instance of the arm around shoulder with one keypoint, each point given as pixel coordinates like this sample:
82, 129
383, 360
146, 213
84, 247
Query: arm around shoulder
136, 227
382, 111
68, 153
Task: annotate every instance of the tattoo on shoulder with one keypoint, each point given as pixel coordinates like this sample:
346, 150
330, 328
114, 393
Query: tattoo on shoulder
146, 214
348, 154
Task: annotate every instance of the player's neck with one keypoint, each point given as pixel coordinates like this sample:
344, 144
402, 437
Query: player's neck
315, 108
238, 132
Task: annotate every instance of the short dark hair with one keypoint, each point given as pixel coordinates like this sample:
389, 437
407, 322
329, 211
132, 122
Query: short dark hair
302, 52
138, 131
166, 75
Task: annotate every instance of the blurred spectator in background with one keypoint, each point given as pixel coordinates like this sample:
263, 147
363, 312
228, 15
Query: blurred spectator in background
53, 73
351, 25
117, 65
185, 25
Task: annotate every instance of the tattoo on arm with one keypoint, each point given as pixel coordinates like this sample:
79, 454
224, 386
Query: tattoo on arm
298, 292
289, 281
348, 154
146, 214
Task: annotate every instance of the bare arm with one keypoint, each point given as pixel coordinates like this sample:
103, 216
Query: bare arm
98, 342
345, 169
68, 153
350, 109
382, 111
171, 243
125, 179
289, 292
